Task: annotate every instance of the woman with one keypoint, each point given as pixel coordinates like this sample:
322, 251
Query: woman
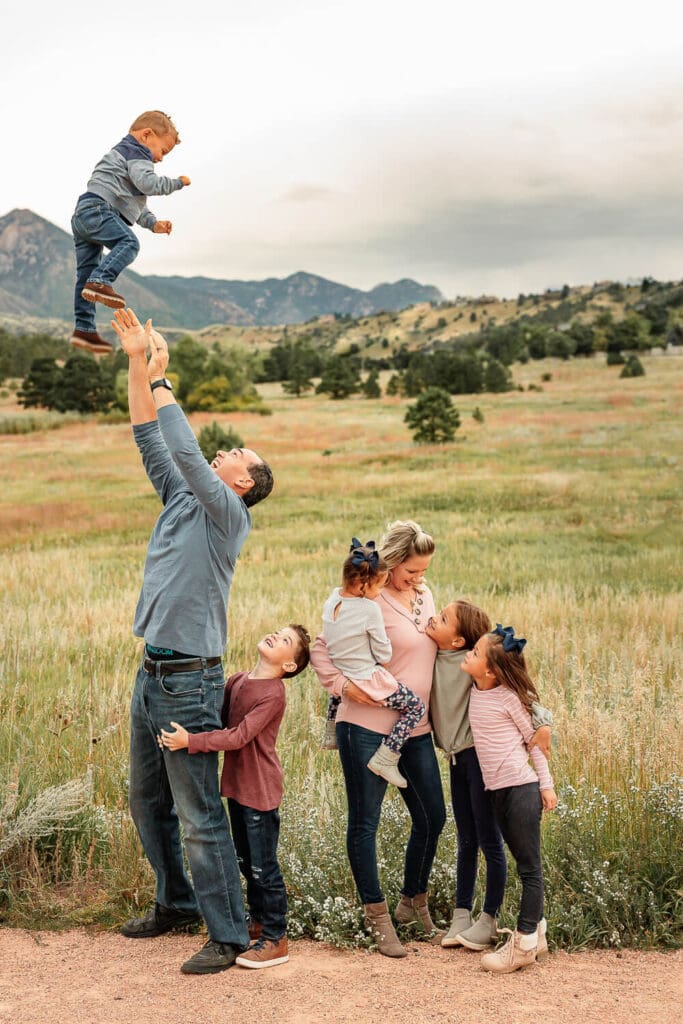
406, 604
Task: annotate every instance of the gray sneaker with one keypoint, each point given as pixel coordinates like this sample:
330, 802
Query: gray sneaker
460, 922
483, 933
211, 958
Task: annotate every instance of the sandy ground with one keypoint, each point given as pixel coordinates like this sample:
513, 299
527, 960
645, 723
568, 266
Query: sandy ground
89, 977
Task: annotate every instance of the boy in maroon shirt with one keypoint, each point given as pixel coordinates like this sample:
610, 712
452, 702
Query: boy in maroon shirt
253, 706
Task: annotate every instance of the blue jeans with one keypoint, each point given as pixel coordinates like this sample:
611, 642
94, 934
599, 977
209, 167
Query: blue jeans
518, 810
365, 791
256, 834
174, 787
477, 828
96, 226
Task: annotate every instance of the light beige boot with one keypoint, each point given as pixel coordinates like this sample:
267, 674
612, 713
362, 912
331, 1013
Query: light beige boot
383, 762
542, 949
415, 910
330, 738
483, 933
518, 951
380, 926
460, 922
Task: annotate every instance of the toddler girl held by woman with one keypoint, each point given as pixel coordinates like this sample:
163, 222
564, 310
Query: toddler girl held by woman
500, 717
358, 646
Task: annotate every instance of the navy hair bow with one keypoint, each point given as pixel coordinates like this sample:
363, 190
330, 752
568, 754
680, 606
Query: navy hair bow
510, 641
360, 556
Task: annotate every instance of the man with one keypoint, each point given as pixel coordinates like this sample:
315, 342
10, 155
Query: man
182, 615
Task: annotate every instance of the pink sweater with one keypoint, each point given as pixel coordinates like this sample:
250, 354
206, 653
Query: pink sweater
502, 727
412, 663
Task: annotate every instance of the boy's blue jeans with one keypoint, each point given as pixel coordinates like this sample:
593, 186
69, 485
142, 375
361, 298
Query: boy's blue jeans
96, 226
256, 835
173, 788
477, 828
365, 791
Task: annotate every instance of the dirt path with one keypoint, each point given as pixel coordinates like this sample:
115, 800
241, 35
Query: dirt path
84, 977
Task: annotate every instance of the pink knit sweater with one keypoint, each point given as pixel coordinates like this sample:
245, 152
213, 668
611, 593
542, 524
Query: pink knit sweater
412, 663
502, 727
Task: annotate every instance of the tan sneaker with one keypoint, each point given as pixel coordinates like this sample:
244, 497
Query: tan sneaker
95, 291
511, 956
265, 953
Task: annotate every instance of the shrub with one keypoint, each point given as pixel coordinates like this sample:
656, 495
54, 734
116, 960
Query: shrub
213, 437
633, 367
433, 418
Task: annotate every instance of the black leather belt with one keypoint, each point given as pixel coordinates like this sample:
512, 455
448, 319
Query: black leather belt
167, 668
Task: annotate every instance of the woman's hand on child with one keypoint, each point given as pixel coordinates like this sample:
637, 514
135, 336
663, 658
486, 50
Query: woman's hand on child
163, 227
549, 798
542, 739
357, 695
177, 740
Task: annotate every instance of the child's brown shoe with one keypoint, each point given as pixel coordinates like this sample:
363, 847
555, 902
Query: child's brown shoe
95, 291
91, 342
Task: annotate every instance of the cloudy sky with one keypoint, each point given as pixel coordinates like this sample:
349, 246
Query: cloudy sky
494, 148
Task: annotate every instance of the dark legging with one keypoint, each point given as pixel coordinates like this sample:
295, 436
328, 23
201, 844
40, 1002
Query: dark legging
365, 791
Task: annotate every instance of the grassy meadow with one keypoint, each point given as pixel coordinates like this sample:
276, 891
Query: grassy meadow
560, 514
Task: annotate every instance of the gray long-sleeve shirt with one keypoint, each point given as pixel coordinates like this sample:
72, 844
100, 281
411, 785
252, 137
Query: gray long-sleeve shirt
195, 542
449, 704
356, 640
125, 176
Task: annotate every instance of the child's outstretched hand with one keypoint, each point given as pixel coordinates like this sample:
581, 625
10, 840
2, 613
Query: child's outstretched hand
185, 180
177, 740
548, 796
162, 227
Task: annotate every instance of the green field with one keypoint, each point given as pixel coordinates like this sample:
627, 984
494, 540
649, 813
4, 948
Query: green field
560, 514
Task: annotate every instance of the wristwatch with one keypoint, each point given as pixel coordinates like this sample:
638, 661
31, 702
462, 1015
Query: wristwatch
163, 382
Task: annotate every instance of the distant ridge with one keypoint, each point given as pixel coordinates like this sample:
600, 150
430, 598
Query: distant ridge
37, 269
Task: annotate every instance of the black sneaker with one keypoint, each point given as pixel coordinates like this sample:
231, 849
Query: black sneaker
211, 958
158, 921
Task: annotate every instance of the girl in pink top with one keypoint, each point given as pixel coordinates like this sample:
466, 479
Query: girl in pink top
500, 717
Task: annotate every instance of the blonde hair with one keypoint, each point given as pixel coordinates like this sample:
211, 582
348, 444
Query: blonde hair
404, 539
159, 122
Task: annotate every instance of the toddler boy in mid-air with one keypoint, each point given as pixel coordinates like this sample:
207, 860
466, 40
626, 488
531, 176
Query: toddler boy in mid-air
252, 781
105, 213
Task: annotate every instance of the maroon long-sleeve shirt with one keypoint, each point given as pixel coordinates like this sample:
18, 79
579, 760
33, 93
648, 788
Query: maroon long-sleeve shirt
252, 713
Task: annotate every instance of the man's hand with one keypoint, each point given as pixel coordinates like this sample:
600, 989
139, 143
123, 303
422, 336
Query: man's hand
158, 358
177, 740
185, 180
542, 739
162, 227
134, 337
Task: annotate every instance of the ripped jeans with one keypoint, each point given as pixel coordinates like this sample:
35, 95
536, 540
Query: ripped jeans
255, 835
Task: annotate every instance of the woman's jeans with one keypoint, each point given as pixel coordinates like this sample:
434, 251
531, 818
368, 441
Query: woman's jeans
365, 791
174, 787
96, 226
255, 834
477, 828
518, 810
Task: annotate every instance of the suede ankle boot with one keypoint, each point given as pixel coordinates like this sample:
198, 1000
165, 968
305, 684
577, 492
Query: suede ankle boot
460, 922
384, 763
483, 933
379, 924
415, 910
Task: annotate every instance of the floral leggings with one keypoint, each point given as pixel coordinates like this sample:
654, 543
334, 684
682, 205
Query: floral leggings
409, 706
